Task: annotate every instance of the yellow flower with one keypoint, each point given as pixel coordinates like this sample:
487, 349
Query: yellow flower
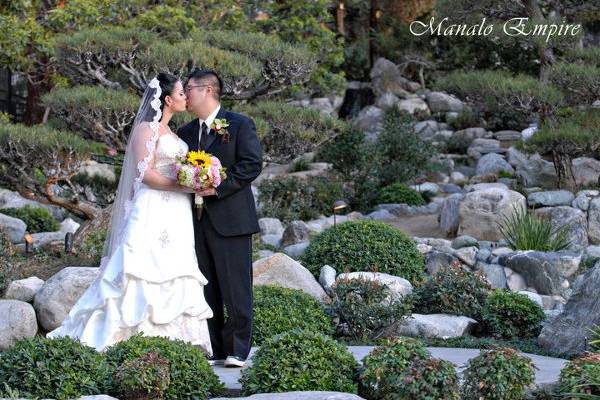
199, 158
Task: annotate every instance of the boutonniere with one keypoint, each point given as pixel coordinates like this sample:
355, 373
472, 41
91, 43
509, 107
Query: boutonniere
219, 126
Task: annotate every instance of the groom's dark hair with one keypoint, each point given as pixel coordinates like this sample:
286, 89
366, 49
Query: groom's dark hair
208, 77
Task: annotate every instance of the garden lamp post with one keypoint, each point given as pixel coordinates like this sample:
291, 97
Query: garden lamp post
338, 205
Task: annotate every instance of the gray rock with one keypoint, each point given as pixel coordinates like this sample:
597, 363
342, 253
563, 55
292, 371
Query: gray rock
296, 250
279, 269
586, 171
568, 216
412, 106
436, 260
10, 199
270, 226
271, 240
381, 215
442, 102
298, 396
404, 210
464, 241
507, 135
536, 171
295, 232
68, 225
386, 77
484, 254
398, 286
24, 289
369, 119
14, 228
467, 255
550, 198
591, 255
93, 169
480, 147
515, 281
493, 163
442, 326
265, 253
327, 278
536, 298
458, 178
543, 271
450, 188
594, 221
426, 129
470, 134
484, 186
59, 294
17, 321
426, 187
495, 275
386, 100
566, 333
42, 239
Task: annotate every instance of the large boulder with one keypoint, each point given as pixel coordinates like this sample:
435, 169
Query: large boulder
59, 294
24, 289
594, 221
412, 106
480, 147
551, 198
14, 228
442, 102
386, 77
532, 170
17, 321
449, 217
567, 332
493, 163
281, 270
295, 232
586, 171
441, 326
574, 218
398, 286
482, 210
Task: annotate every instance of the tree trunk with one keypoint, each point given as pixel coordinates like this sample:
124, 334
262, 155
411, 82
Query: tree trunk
374, 14
545, 51
339, 17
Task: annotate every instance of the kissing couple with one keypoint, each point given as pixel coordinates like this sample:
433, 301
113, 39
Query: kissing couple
166, 269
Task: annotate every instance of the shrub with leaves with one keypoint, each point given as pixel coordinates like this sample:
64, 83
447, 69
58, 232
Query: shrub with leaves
366, 308
300, 360
403, 368
60, 368
580, 378
37, 219
498, 374
453, 290
145, 377
523, 230
595, 339
512, 315
278, 309
366, 246
190, 374
400, 193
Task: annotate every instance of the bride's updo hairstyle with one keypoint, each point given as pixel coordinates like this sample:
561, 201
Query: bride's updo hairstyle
167, 84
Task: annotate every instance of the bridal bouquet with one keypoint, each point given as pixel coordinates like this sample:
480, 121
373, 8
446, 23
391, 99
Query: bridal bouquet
199, 170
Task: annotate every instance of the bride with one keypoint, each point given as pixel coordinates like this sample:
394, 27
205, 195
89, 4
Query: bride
149, 279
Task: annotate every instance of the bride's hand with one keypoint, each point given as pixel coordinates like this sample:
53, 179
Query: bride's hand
184, 189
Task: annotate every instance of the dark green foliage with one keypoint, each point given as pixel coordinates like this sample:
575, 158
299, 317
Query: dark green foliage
400, 193
595, 339
526, 231
147, 377
292, 198
346, 151
466, 118
403, 153
37, 219
8, 270
402, 368
366, 309
277, 310
52, 368
365, 246
300, 360
499, 374
511, 315
452, 290
580, 82
93, 245
581, 376
190, 374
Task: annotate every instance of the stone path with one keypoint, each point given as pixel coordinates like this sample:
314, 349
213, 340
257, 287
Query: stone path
547, 373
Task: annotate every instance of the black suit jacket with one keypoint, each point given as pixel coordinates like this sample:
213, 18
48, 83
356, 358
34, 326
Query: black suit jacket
232, 211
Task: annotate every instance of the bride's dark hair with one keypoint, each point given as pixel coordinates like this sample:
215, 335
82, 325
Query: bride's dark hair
167, 84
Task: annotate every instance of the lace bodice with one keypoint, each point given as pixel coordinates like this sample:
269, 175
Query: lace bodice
168, 148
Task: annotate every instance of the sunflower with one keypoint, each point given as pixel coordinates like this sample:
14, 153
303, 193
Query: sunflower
199, 158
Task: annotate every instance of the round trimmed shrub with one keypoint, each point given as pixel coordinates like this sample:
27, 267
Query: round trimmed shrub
145, 377
366, 246
37, 219
399, 193
511, 315
60, 368
581, 376
300, 360
278, 309
402, 368
452, 290
190, 374
497, 374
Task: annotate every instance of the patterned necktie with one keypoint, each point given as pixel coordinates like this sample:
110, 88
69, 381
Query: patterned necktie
203, 136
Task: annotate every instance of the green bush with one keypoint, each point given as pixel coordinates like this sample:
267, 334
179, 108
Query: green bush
581, 82
466, 118
60, 368
595, 339
511, 315
526, 231
499, 374
300, 360
452, 290
190, 374
291, 198
366, 308
346, 151
147, 376
581, 376
402, 368
93, 244
365, 246
399, 193
277, 310
37, 219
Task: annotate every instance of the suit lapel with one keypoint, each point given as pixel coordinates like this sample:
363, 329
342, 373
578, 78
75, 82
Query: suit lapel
192, 135
213, 135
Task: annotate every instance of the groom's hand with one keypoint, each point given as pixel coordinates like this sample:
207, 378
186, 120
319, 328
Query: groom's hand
207, 192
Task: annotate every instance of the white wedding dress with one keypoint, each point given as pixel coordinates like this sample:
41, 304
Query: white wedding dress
151, 282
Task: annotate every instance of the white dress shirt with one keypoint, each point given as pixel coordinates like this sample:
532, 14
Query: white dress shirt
209, 120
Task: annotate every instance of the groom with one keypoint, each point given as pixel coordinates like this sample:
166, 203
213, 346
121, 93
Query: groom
223, 233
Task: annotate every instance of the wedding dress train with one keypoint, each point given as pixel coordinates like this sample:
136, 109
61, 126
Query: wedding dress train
151, 282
